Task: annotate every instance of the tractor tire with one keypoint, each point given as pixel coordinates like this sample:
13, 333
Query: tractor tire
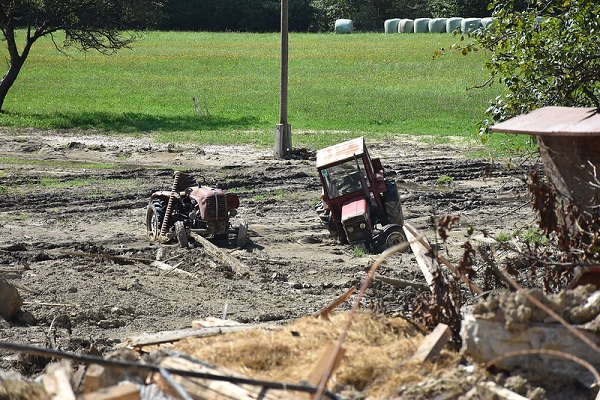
336, 230
181, 234
390, 236
155, 213
241, 238
392, 204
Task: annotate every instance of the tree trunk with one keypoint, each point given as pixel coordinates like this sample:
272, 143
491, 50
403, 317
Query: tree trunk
16, 61
8, 80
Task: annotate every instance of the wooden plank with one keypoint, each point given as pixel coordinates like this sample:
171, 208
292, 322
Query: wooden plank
207, 389
472, 286
222, 256
494, 391
122, 391
168, 268
400, 283
324, 313
428, 266
57, 381
326, 365
553, 121
173, 336
94, 378
433, 343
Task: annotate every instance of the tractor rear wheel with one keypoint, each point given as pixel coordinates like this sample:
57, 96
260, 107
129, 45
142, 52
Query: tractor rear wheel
181, 234
155, 213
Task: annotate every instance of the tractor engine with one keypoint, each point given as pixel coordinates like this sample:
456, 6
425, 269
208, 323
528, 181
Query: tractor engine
211, 209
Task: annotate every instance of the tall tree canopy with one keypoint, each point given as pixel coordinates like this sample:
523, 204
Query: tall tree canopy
546, 52
86, 24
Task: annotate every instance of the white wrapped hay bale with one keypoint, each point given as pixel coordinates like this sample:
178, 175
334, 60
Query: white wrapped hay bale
453, 24
421, 25
437, 25
391, 25
485, 22
406, 25
343, 26
470, 24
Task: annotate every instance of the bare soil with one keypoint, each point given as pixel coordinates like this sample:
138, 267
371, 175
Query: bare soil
57, 235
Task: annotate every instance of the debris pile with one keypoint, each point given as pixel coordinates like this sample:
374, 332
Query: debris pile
511, 332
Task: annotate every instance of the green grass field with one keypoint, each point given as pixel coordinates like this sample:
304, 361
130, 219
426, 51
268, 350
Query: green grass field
224, 88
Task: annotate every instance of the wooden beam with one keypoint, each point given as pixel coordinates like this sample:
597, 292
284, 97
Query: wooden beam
428, 266
207, 389
123, 391
57, 381
221, 256
433, 343
176, 335
472, 286
324, 313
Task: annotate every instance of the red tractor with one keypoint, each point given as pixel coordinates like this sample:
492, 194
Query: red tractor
359, 206
189, 208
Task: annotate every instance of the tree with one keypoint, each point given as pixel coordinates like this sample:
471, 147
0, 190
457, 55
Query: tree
459, 8
545, 52
87, 24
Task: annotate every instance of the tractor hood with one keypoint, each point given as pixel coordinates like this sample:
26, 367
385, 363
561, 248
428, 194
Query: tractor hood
356, 221
214, 204
354, 208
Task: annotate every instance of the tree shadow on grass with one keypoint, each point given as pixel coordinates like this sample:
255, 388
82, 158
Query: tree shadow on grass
131, 122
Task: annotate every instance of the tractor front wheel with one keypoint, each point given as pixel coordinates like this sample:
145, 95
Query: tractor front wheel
181, 234
155, 213
390, 236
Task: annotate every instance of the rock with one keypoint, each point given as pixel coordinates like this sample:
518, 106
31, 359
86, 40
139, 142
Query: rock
488, 333
10, 300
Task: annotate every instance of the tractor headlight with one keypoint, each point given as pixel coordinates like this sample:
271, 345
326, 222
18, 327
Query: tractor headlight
232, 213
363, 225
350, 229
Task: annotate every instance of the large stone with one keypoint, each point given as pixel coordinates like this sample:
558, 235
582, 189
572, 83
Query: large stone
489, 335
10, 300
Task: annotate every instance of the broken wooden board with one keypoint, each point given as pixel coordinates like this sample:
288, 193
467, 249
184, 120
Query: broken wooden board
122, 391
471, 285
207, 389
325, 312
176, 335
491, 390
326, 365
433, 343
221, 255
429, 267
57, 381
169, 269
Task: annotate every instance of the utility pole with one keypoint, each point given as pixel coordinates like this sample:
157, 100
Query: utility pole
283, 131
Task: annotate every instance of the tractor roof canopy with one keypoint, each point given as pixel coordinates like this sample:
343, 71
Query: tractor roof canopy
341, 152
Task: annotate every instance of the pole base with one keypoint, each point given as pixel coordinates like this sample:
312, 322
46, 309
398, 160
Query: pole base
283, 140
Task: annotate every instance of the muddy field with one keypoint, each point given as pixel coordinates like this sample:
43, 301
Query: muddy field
71, 204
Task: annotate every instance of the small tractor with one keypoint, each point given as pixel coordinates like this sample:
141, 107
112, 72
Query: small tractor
191, 208
358, 205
